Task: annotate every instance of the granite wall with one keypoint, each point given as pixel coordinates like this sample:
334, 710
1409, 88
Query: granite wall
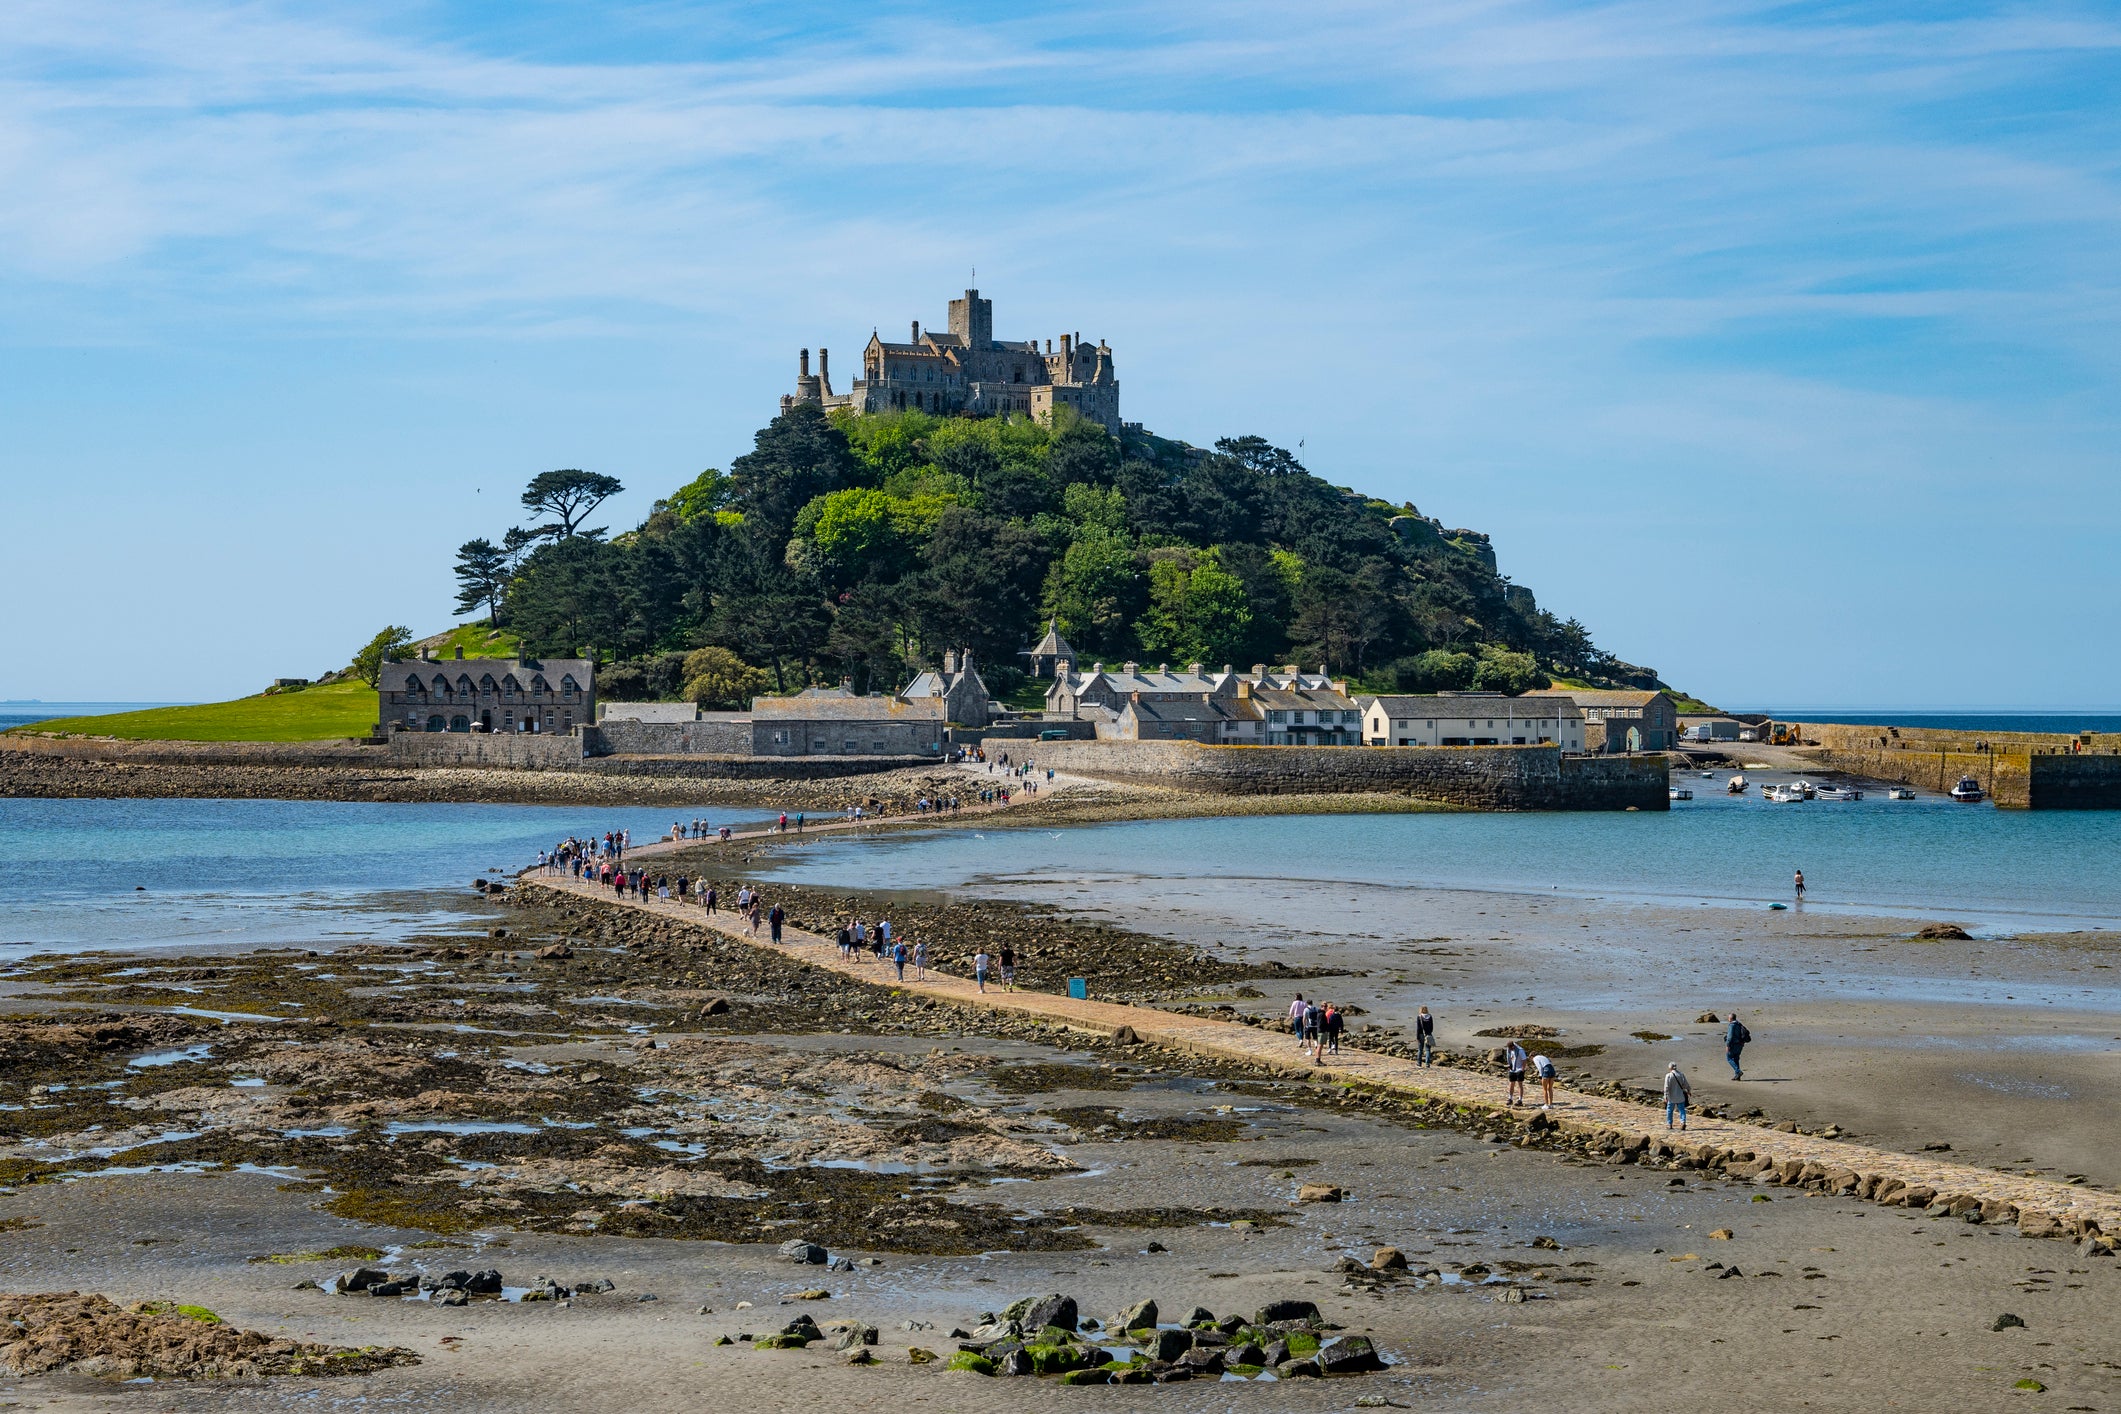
1476, 777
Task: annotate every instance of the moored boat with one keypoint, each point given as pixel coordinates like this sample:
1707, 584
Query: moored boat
1839, 793
1900, 793
1736, 785
1968, 791
1682, 793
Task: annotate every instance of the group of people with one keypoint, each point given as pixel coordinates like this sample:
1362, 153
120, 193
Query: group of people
573, 854
1316, 1027
700, 830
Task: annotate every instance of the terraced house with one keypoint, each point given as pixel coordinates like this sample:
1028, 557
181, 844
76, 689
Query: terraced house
1472, 719
544, 695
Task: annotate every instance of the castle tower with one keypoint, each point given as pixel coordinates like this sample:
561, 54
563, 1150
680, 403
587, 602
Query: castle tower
972, 320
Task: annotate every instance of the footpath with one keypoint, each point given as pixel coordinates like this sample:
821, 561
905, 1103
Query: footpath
1615, 1128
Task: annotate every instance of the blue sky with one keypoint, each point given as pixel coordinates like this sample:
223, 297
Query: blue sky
1779, 343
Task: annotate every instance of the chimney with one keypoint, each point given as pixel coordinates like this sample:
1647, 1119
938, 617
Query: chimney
1135, 696
1194, 668
1321, 669
1259, 670
916, 331
460, 652
802, 364
1244, 687
824, 368
1163, 669
1226, 670
1068, 347
949, 661
1130, 669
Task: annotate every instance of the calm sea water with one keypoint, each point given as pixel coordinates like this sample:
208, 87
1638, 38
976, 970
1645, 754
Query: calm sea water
123, 873
1931, 858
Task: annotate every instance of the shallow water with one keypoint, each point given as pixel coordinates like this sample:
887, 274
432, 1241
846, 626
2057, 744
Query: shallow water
2016, 870
88, 874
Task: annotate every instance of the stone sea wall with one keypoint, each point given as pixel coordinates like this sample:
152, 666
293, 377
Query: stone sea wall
531, 751
2019, 770
1476, 777
709, 738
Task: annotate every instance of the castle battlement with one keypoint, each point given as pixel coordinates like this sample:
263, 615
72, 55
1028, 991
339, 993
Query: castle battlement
968, 371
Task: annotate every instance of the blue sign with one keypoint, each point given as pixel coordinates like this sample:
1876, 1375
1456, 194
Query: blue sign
1079, 988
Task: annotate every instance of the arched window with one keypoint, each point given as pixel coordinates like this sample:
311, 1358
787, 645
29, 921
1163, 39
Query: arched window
436, 724
460, 723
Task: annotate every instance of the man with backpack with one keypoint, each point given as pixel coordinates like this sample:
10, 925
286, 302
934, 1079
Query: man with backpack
1735, 1037
1676, 1095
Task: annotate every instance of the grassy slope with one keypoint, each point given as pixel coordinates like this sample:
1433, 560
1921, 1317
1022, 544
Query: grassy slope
334, 710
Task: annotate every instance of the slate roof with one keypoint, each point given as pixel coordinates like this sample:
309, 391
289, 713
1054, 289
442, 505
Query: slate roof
847, 709
1467, 705
394, 677
1625, 697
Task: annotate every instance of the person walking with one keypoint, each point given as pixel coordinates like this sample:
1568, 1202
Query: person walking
1008, 960
1544, 1069
979, 968
1677, 1095
1800, 886
1424, 1038
1513, 1060
898, 959
1331, 1026
1314, 1023
920, 961
774, 918
1734, 1038
1296, 1020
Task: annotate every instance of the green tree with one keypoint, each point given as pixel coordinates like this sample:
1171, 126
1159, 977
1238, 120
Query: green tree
858, 533
1438, 670
568, 497
1501, 670
567, 600
482, 571
716, 677
704, 496
1195, 615
1092, 591
368, 663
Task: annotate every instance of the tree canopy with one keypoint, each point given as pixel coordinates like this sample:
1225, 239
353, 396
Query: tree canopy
846, 546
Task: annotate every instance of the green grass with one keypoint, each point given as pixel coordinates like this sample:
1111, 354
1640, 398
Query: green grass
477, 641
323, 713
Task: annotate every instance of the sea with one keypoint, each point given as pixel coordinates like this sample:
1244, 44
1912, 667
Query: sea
91, 874
1992, 871
23, 714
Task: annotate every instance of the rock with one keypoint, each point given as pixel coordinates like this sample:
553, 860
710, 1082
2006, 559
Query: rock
815, 1293
1136, 1317
1016, 1362
1127, 1036
1275, 1354
1199, 1315
858, 1355
723, 1340
1722, 1234
1202, 1362
1095, 1376
2031, 1224
1349, 1266
1285, 1311
1156, 1247
359, 1279
855, 1335
555, 951
1510, 1295
484, 1283
1168, 1345
1015, 1310
1353, 1354
1948, 932
971, 1363
1231, 1324
805, 1327
399, 1286
1546, 1244
596, 1287
1388, 1259
1054, 1310
802, 1252
451, 1296
1246, 1354
1320, 1193
718, 1007
2007, 1321
1727, 1273
1296, 1369
1707, 1018
840, 1264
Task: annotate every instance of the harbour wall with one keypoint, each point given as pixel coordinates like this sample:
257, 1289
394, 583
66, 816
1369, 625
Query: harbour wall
1474, 777
2018, 770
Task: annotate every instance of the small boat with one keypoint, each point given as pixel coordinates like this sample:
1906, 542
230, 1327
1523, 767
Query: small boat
1708, 775
1736, 785
1839, 793
1805, 789
1784, 795
1968, 791
1899, 793
1682, 793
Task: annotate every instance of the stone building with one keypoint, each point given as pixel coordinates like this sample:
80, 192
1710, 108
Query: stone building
1626, 720
1106, 690
1046, 657
967, 370
1473, 719
548, 695
830, 724
959, 685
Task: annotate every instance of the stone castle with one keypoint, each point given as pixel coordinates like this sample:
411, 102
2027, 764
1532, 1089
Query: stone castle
969, 371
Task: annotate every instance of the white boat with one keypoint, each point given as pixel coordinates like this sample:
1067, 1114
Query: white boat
1682, 793
1708, 775
1899, 793
1785, 795
1968, 791
1736, 785
1805, 789
1839, 793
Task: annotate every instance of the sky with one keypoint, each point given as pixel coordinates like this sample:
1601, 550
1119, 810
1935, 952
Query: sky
1781, 344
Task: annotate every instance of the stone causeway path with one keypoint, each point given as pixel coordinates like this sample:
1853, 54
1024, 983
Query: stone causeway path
2040, 1207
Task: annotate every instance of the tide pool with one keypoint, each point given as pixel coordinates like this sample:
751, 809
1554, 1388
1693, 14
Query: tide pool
122, 873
